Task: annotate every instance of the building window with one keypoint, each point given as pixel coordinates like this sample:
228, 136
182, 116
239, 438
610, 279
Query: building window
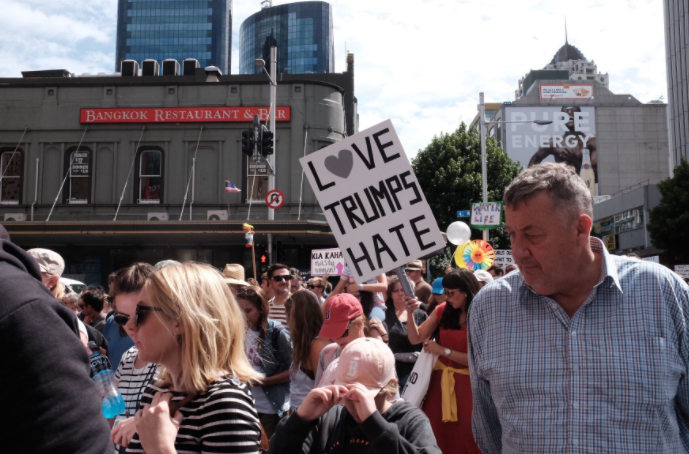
256, 180
79, 184
150, 181
11, 164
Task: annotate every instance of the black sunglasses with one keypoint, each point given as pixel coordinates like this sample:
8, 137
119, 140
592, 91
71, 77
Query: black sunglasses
282, 278
315, 286
140, 315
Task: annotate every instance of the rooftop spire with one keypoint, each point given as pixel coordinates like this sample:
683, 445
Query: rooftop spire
566, 41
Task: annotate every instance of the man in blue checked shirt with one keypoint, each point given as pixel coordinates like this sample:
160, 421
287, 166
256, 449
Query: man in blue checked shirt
579, 351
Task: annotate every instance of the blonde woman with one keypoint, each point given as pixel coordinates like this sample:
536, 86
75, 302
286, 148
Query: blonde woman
188, 321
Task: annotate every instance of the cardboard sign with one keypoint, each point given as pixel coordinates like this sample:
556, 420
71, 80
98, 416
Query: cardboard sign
503, 257
327, 261
373, 202
682, 270
486, 215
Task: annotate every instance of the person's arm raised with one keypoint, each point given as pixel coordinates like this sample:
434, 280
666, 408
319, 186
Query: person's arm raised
418, 334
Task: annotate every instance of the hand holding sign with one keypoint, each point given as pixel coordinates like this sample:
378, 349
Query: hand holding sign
372, 201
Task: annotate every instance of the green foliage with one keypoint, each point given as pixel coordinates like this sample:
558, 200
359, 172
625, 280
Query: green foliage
669, 221
449, 172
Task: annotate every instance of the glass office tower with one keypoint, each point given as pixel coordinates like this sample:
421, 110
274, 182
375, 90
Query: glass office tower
161, 29
302, 32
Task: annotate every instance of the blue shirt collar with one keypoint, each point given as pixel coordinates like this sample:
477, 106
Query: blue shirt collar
608, 267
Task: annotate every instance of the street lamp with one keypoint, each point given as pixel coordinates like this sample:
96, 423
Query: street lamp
482, 123
260, 63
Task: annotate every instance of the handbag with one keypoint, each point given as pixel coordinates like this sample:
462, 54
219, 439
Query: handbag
415, 389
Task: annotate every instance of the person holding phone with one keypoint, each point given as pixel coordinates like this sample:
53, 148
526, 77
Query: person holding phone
449, 406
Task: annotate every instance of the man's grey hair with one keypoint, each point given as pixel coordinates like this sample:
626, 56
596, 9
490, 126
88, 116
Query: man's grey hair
570, 195
71, 298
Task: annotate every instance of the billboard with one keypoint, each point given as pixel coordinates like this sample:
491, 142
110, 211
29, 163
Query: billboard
566, 91
570, 137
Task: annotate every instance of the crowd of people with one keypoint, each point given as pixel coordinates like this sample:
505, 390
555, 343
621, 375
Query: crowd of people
550, 356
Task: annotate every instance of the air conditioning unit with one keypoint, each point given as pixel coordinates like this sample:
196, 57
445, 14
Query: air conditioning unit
216, 215
16, 217
129, 68
170, 67
150, 67
157, 216
189, 66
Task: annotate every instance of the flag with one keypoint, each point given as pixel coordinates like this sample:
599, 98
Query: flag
229, 187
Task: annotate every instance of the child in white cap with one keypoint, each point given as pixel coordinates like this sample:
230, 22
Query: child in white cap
355, 413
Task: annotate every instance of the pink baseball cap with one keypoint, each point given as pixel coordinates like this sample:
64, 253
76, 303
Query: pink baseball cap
337, 313
366, 361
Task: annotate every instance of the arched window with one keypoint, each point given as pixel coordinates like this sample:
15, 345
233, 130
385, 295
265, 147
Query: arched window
11, 170
78, 190
150, 180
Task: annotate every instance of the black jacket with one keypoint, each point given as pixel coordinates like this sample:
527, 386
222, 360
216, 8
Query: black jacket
403, 429
50, 405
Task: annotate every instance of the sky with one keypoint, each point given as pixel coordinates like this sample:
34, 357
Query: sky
420, 63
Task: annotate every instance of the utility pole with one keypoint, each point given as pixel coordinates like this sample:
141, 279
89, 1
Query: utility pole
271, 158
484, 173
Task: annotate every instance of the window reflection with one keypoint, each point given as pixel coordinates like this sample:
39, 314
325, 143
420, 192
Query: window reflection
150, 176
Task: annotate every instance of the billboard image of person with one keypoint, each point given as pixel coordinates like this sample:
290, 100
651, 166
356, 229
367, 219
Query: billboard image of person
569, 139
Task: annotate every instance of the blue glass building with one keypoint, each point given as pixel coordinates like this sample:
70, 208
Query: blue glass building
179, 29
302, 32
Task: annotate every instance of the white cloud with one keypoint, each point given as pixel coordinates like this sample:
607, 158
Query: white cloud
421, 63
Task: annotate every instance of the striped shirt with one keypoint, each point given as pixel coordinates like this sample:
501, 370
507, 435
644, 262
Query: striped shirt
277, 312
222, 420
133, 381
613, 378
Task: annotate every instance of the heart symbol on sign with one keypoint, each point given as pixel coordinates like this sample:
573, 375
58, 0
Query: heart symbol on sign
340, 165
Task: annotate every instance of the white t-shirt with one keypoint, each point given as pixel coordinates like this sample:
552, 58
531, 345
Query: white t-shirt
253, 348
378, 298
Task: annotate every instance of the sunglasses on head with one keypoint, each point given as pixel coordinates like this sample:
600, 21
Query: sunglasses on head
140, 315
282, 278
246, 292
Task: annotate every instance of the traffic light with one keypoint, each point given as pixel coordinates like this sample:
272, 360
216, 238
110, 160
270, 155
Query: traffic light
248, 142
264, 259
266, 141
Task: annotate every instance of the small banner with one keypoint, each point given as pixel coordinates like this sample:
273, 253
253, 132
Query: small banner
486, 216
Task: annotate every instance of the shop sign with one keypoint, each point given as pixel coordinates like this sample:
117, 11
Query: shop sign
182, 115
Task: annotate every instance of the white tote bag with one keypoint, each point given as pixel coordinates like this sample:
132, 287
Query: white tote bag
415, 389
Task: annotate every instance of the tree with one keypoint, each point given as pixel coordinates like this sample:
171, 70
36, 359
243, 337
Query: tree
449, 172
669, 221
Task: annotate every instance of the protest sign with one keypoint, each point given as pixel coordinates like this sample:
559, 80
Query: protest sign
485, 216
327, 261
682, 270
503, 257
373, 201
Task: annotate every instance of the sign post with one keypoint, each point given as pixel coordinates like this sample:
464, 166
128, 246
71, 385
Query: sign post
373, 202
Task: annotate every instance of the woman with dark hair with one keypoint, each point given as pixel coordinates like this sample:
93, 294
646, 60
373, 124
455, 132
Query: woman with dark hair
396, 316
133, 373
451, 422
269, 351
305, 318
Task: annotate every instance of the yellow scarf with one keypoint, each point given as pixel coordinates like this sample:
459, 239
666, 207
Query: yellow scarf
447, 385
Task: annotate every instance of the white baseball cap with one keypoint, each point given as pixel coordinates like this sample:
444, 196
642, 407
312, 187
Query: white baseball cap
48, 261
